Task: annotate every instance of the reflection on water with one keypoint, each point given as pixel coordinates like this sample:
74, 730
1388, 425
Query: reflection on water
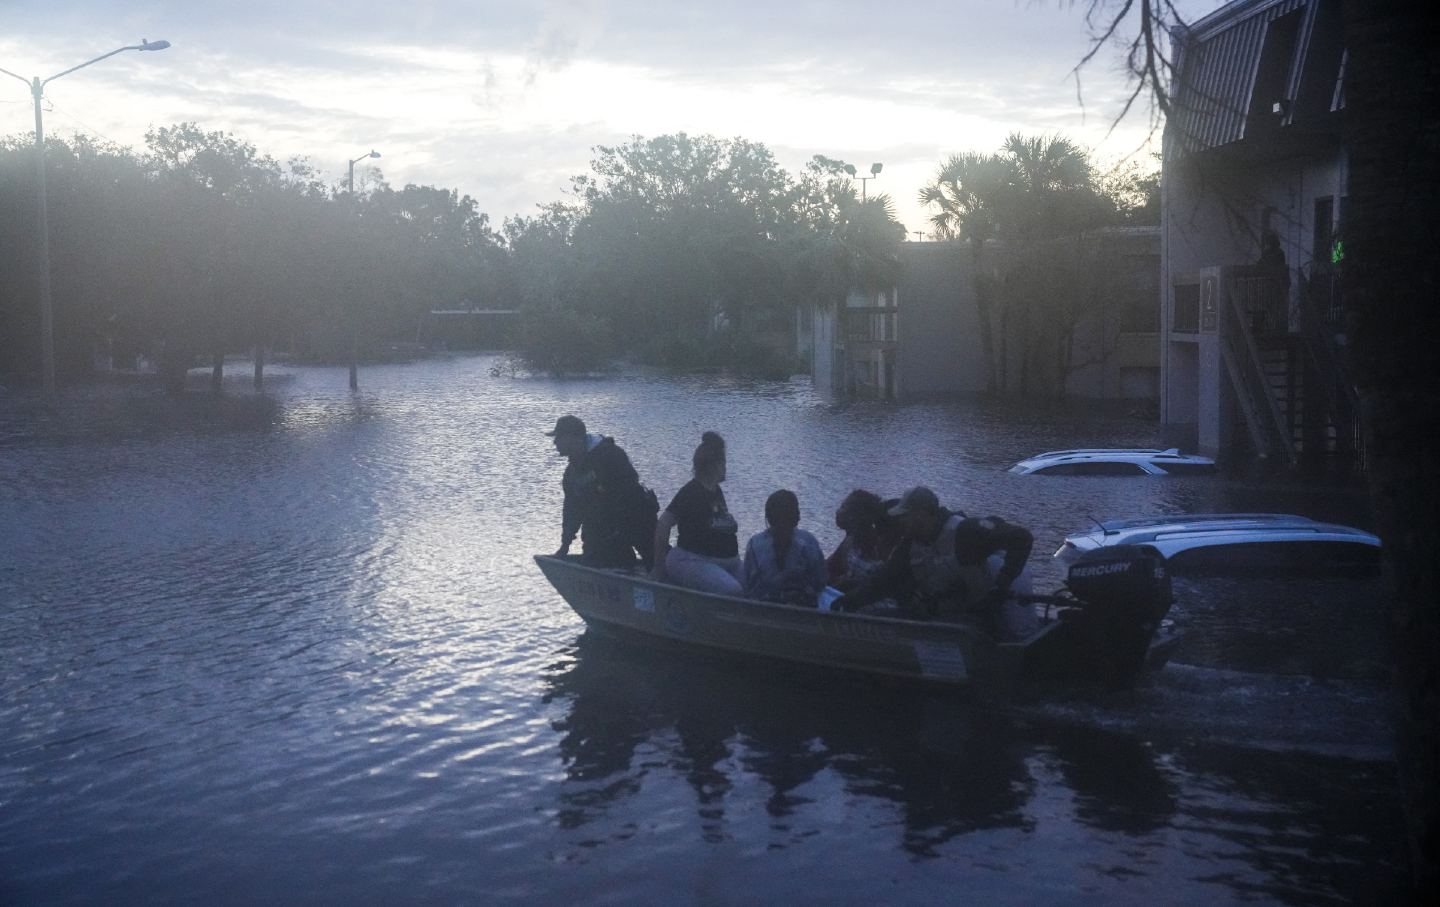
292, 648
849, 763
949, 773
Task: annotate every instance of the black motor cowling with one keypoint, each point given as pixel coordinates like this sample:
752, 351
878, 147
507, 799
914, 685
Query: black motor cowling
1124, 592
1129, 579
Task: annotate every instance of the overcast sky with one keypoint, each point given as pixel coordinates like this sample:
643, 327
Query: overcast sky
504, 100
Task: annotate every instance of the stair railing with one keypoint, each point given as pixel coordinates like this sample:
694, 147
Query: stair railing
1242, 360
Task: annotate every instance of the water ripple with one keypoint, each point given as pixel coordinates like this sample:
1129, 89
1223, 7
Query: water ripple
291, 648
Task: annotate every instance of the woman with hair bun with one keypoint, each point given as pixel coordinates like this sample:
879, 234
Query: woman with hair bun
706, 553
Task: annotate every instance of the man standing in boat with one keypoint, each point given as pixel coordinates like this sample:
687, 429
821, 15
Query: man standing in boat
942, 569
605, 504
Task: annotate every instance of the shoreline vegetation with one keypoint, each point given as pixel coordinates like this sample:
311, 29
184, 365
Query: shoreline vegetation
682, 252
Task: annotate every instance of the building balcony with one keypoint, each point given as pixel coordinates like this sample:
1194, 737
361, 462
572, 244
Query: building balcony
869, 326
1262, 293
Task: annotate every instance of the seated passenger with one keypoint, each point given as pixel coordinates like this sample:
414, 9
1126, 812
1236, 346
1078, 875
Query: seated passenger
869, 539
706, 553
784, 564
942, 568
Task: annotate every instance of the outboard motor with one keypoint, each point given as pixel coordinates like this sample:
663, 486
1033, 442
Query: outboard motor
1124, 592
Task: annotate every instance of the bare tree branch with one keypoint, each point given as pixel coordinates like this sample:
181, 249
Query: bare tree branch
1148, 63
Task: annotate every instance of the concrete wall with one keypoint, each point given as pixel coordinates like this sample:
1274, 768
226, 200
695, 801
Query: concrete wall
824, 357
939, 350
939, 342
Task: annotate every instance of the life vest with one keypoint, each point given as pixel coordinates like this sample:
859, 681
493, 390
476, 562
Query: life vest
858, 567
942, 584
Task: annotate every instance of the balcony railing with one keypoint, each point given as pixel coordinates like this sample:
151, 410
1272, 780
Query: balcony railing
1322, 294
1262, 296
869, 324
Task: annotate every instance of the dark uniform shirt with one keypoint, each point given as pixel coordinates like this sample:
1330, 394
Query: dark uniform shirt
601, 488
706, 526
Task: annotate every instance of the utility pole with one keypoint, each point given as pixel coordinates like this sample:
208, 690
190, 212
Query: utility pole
42, 222
354, 313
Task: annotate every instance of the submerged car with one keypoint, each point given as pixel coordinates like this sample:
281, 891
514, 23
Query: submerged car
1135, 461
1237, 543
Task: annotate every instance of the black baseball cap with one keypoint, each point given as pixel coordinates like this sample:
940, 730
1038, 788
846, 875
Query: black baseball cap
567, 425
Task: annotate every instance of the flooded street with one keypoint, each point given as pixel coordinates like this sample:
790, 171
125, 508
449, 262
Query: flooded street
293, 649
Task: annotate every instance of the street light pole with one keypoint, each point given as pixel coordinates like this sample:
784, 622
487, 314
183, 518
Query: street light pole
874, 172
42, 226
350, 179
355, 315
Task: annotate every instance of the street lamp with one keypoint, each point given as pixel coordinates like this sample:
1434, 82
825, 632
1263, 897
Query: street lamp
47, 318
355, 316
874, 172
350, 180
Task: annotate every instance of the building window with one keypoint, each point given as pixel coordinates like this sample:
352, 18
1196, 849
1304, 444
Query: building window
1268, 103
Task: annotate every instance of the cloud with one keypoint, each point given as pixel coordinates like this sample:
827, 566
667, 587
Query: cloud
504, 100
559, 37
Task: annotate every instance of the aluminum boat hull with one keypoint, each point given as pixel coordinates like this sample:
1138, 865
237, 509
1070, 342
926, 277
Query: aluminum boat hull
951, 654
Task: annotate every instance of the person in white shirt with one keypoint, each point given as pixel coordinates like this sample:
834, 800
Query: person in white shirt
784, 563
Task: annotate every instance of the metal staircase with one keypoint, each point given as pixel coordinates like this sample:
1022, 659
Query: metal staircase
1293, 388
1250, 303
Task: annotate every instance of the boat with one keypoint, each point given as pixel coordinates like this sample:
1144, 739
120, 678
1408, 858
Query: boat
1107, 628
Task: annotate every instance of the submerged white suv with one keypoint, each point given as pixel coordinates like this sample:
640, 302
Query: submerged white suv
1237, 543
1137, 461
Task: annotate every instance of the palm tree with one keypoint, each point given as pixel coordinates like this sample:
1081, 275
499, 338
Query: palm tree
1051, 186
1035, 189
871, 236
1050, 196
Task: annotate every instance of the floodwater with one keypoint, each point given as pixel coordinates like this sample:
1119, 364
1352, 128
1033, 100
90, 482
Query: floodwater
292, 649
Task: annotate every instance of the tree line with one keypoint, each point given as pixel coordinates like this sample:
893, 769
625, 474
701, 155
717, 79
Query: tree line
689, 251
679, 250
198, 245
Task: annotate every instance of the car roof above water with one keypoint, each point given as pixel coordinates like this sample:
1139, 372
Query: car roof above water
1236, 543
1137, 451
1175, 533
1150, 460
1213, 522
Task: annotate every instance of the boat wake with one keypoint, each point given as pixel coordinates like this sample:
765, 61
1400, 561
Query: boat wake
1348, 718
